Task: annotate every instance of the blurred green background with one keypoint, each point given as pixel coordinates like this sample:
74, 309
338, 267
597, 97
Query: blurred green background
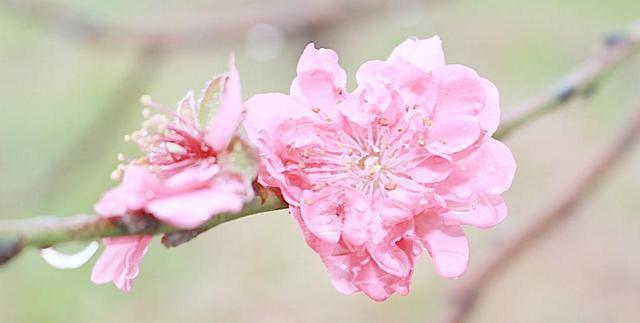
54, 93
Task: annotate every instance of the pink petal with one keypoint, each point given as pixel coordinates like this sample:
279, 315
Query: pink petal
130, 195
451, 133
194, 177
320, 81
340, 272
319, 216
490, 114
322, 247
120, 261
426, 54
493, 167
322, 59
416, 87
194, 208
265, 112
393, 211
485, 212
432, 170
376, 283
318, 87
227, 120
357, 219
460, 90
446, 243
392, 259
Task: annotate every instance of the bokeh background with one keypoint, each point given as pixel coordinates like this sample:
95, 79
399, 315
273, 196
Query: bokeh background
66, 100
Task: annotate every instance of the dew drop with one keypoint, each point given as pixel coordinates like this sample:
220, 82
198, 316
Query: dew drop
61, 260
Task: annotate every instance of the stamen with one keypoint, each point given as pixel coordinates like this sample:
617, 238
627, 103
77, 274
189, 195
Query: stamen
383, 122
420, 140
390, 186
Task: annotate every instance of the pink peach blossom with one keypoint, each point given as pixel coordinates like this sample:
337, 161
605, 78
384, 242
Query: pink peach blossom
398, 165
186, 177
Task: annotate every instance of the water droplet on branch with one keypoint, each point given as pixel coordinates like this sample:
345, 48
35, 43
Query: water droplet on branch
61, 260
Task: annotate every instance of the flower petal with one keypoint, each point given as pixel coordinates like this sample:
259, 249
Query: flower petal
322, 59
451, 133
484, 212
265, 112
446, 243
426, 54
225, 123
460, 90
120, 261
319, 216
391, 259
491, 167
194, 208
490, 114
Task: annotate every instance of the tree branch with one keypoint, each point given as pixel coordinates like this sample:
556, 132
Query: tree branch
43, 232
465, 297
582, 80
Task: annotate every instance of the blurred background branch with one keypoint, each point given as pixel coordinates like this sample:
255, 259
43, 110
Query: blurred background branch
202, 31
582, 81
474, 283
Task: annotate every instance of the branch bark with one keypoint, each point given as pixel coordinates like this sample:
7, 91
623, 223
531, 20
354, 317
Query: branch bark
580, 81
465, 297
43, 232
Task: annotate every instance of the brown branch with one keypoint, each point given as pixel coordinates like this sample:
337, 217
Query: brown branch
580, 81
465, 297
207, 30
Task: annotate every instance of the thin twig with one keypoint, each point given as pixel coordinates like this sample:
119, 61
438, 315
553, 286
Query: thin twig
208, 30
580, 81
44, 232
465, 297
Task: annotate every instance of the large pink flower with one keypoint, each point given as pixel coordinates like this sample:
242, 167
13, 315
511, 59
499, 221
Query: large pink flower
376, 175
187, 176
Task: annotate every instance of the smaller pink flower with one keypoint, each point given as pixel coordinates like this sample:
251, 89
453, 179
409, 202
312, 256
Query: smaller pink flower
187, 176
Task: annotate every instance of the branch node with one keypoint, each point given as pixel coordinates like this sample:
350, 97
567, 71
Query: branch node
614, 39
137, 223
9, 249
174, 239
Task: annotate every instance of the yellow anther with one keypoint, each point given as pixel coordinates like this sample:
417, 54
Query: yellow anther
390, 186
